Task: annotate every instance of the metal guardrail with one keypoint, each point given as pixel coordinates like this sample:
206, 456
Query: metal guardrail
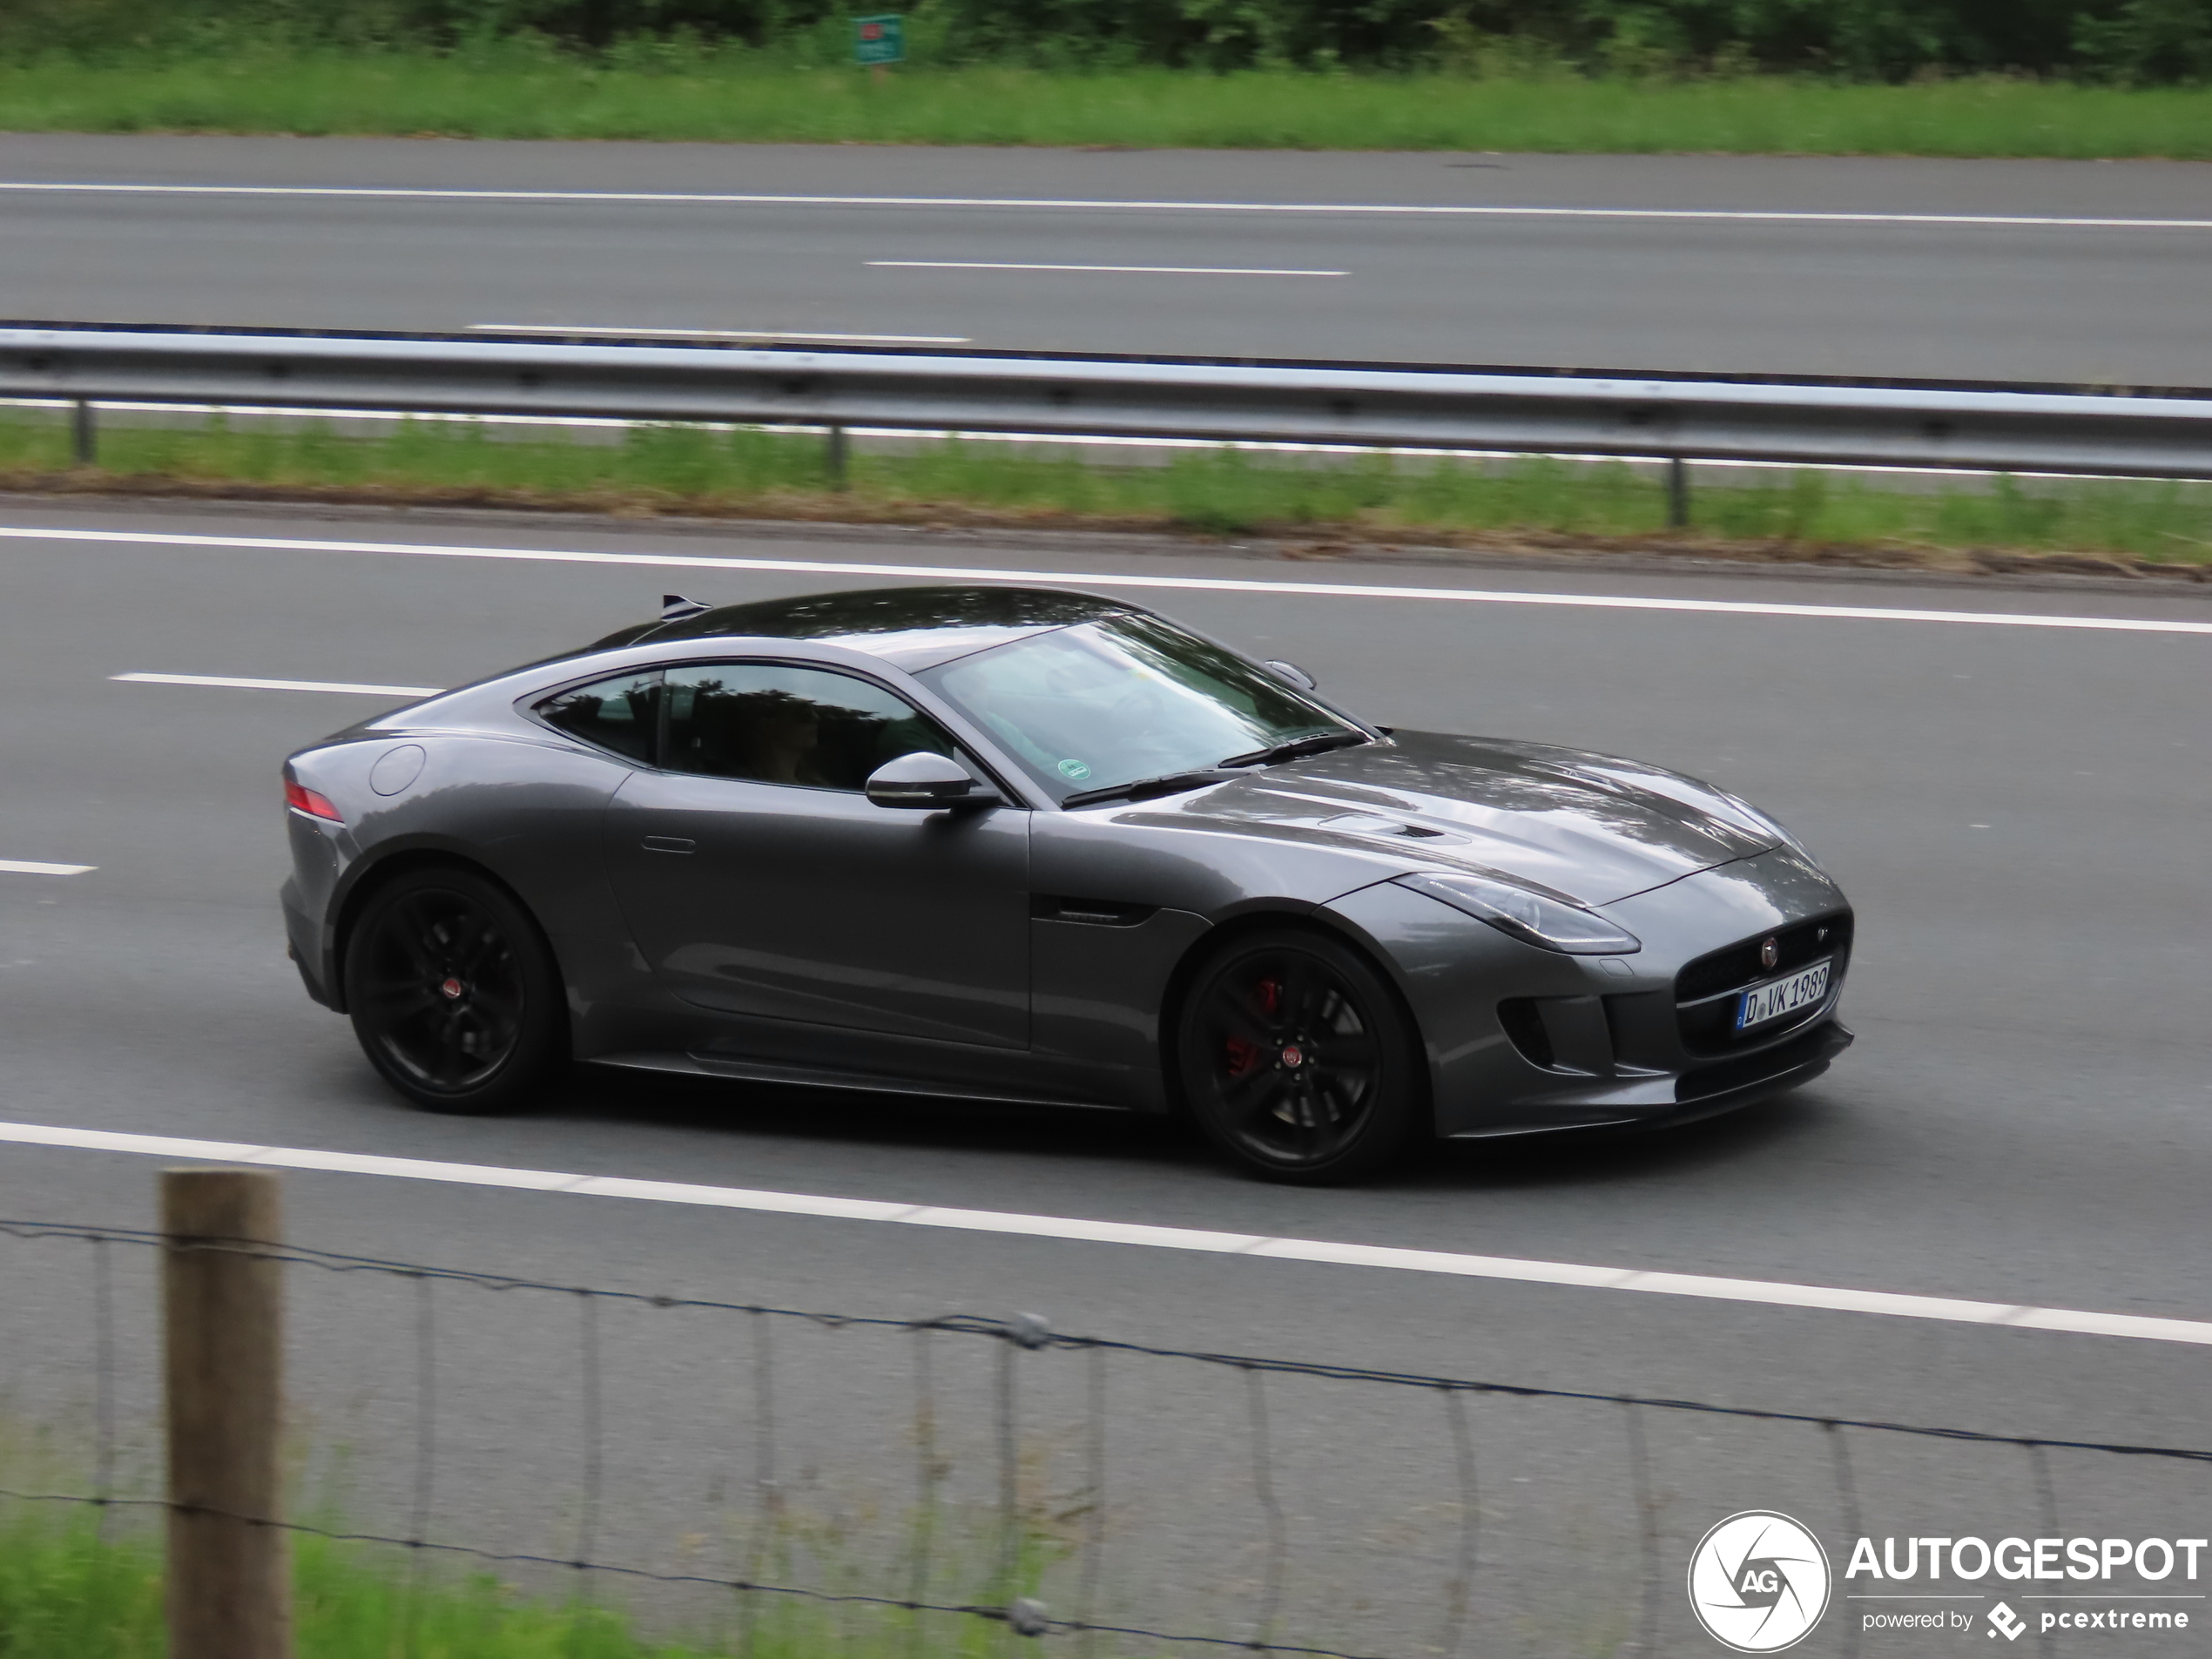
2019, 430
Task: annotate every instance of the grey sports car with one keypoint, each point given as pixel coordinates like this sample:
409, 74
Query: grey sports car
1018, 844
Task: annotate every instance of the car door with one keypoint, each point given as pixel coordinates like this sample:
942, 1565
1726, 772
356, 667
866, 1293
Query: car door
757, 878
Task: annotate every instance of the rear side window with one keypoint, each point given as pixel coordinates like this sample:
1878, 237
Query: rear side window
621, 714
772, 723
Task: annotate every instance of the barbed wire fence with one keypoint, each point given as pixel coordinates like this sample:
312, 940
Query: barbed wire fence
1139, 1551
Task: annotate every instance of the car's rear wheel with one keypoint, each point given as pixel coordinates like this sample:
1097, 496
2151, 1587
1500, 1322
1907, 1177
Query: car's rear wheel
454, 993
1297, 1060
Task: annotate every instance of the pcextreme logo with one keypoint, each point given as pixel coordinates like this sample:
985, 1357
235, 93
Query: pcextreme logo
1758, 1582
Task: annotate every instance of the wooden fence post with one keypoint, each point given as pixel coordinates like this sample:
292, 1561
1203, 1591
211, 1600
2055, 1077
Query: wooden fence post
229, 1575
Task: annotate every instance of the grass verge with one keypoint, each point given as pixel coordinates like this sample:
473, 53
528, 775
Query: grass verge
65, 1593
1325, 503
509, 91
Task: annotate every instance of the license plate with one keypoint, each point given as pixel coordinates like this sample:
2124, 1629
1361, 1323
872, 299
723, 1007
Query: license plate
1801, 990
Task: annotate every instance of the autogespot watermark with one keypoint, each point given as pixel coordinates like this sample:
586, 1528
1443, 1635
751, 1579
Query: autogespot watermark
1760, 1581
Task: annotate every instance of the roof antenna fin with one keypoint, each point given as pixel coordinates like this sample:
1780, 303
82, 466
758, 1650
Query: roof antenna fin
674, 607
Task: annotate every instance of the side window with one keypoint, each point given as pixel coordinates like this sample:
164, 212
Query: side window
620, 714
772, 724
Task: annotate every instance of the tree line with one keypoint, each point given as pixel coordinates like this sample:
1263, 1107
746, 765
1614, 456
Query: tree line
2124, 41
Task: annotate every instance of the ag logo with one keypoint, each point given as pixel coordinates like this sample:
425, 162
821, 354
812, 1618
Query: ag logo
1758, 1582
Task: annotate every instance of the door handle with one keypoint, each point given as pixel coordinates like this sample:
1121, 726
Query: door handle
671, 844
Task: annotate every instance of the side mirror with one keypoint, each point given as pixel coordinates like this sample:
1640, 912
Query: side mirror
1293, 673
927, 782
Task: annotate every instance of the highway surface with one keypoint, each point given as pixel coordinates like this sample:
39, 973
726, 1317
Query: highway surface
2072, 271
2017, 810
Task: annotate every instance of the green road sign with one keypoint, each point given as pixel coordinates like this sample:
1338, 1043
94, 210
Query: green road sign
879, 40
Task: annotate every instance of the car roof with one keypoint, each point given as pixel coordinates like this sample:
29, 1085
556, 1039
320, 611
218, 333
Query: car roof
912, 628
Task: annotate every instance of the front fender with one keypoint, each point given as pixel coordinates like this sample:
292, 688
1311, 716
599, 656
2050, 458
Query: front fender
1453, 971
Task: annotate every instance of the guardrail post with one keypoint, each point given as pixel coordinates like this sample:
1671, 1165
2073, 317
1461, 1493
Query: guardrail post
229, 1592
837, 459
84, 434
1678, 493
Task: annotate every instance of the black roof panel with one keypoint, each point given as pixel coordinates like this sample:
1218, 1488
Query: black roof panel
914, 625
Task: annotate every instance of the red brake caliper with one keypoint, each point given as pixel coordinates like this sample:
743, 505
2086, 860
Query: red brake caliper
1243, 1056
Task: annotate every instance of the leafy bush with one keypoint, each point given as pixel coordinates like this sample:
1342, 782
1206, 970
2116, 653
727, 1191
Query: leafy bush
2126, 40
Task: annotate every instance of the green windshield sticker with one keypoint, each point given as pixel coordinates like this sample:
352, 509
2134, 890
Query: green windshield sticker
1074, 769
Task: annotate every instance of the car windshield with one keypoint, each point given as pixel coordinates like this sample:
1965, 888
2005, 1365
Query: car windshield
1122, 699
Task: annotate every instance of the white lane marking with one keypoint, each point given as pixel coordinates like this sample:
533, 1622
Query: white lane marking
1120, 270
1107, 579
611, 332
279, 685
1766, 1292
1474, 210
31, 866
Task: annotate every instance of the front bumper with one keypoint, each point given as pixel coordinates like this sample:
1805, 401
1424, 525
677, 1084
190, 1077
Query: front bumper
1702, 1091
1522, 1041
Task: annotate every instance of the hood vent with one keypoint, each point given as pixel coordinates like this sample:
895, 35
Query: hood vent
1368, 824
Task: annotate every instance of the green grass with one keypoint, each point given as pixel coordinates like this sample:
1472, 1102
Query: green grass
66, 1594
514, 91
697, 470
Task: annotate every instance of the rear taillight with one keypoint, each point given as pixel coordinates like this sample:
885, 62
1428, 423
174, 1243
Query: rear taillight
300, 799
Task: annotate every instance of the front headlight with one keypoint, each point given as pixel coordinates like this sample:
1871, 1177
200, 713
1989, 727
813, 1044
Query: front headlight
1532, 917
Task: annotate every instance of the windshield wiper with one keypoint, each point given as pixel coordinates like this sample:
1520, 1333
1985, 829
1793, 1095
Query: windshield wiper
1173, 782
1297, 749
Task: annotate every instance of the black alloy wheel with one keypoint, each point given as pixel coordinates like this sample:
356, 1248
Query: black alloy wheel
454, 993
1296, 1059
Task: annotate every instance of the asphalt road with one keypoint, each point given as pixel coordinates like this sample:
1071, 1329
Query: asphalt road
2017, 813
1962, 270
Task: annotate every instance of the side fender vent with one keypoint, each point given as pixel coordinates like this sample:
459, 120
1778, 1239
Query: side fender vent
1097, 912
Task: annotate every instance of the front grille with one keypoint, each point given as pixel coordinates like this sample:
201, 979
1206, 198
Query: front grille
1704, 1000
1738, 965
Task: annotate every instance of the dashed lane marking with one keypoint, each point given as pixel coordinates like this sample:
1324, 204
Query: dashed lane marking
1118, 270
610, 331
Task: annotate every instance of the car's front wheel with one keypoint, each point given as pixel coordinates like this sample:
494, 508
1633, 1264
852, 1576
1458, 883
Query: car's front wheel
1297, 1060
454, 993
